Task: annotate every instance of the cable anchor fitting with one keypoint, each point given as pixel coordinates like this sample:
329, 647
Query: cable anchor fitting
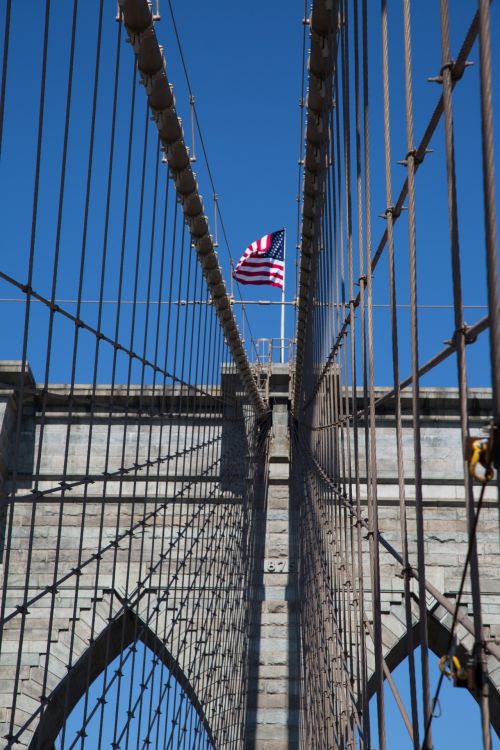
192, 158
215, 201
418, 156
480, 451
406, 571
463, 677
464, 331
456, 71
392, 211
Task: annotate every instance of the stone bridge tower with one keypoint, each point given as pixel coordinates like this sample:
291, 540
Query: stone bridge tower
269, 639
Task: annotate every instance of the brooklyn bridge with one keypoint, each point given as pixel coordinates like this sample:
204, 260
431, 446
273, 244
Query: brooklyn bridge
212, 535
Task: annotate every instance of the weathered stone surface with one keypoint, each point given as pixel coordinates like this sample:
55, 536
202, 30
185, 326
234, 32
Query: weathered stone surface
274, 668
86, 604
274, 647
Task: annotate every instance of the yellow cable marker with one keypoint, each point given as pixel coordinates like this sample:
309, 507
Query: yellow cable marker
450, 666
478, 452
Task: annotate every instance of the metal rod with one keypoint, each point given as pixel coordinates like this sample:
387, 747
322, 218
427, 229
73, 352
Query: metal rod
282, 328
292, 303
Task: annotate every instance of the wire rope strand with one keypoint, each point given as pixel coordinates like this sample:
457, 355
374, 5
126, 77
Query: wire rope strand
17, 440
104, 261
459, 337
57, 249
371, 458
114, 369
354, 459
301, 154
362, 676
422, 149
451, 635
490, 223
417, 452
207, 163
5, 61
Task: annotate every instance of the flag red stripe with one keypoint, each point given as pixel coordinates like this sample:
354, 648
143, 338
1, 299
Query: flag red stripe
260, 283
252, 252
259, 259
256, 267
270, 272
260, 269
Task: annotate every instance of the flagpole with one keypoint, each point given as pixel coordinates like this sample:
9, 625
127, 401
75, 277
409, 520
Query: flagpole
282, 350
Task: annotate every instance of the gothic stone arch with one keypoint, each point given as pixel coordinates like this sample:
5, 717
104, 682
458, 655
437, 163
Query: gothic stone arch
111, 642
106, 590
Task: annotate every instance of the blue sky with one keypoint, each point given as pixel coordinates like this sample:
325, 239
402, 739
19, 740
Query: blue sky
457, 723
177, 713
244, 62
245, 70
244, 65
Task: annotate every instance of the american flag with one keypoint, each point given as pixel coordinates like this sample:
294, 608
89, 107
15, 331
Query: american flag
263, 262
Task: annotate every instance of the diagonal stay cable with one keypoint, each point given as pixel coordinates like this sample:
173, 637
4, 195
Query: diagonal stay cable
102, 550
472, 333
137, 17
205, 155
464, 620
157, 392
5, 61
458, 70
455, 620
65, 485
348, 583
98, 702
197, 606
143, 628
98, 334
